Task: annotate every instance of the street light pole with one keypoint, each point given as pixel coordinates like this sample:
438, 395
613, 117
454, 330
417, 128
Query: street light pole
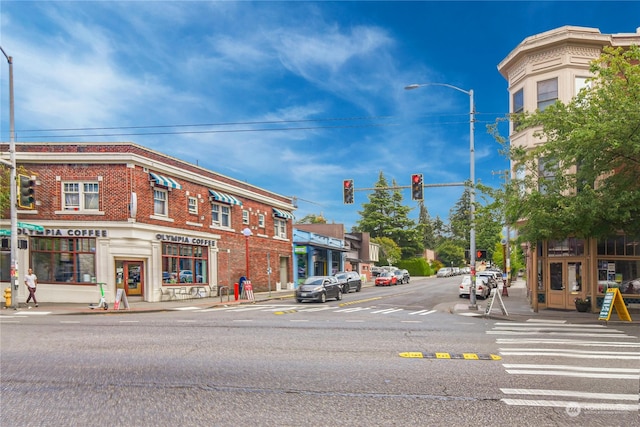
472, 191
13, 190
247, 232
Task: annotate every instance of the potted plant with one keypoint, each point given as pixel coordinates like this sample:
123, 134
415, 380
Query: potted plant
583, 304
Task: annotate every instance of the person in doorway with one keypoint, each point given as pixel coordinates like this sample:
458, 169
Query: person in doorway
31, 280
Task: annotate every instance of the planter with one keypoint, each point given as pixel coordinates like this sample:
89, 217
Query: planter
583, 307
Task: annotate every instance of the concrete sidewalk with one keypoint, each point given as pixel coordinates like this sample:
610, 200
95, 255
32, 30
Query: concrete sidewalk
519, 310
516, 304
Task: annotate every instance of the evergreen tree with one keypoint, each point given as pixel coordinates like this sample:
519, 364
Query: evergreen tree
426, 228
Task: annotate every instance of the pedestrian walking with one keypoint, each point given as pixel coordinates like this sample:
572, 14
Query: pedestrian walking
31, 280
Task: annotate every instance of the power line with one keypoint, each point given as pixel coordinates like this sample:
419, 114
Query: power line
88, 131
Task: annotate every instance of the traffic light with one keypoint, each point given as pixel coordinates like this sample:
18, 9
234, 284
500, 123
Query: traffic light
26, 192
482, 254
416, 187
347, 191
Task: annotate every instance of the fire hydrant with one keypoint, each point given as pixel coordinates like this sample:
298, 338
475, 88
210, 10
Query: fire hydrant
7, 297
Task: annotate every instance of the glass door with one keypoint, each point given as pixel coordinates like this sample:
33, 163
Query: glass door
565, 284
130, 277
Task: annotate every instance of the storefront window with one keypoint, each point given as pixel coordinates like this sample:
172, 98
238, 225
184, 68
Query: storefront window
184, 263
620, 246
621, 274
566, 247
63, 260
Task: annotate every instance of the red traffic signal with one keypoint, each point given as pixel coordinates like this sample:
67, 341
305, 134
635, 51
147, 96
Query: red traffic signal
481, 254
417, 192
347, 191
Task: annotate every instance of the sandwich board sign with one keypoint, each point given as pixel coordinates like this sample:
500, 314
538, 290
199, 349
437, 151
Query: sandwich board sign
121, 297
613, 299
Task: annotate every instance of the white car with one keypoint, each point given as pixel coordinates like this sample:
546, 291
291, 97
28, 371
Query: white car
445, 272
493, 277
483, 289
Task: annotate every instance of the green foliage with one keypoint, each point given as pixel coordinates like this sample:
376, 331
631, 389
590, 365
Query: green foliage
313, 219
435, 266
385, 215
390, 253
450, 254
416, 266
591, 157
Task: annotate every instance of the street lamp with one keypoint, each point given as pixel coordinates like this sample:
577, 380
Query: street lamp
472, 194
13, 191
246, 232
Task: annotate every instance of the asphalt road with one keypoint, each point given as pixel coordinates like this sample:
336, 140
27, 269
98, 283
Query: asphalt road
339, 363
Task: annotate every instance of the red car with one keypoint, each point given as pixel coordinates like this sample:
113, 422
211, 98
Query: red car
386, 279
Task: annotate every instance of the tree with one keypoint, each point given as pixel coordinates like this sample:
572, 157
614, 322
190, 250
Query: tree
450, 254
385, 215
459, 218
390, 251
313, 219
375, 216
426, 227
583, 181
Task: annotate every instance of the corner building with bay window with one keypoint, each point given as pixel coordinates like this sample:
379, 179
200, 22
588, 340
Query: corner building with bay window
144, 222
544, 68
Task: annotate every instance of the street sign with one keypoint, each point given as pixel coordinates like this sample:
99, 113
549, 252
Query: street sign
31, 227
5, 232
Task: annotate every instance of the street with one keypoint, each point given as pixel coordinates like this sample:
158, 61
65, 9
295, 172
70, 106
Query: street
339, 363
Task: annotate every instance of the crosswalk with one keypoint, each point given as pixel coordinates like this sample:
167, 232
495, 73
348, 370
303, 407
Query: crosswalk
602, 357
311, 308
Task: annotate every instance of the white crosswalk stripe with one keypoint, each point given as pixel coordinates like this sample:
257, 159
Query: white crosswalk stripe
309, 308
581, 346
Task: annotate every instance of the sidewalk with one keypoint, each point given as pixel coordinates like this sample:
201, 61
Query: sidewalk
516, 304
519, 310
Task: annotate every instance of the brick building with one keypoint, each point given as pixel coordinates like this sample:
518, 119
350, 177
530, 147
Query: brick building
136, 219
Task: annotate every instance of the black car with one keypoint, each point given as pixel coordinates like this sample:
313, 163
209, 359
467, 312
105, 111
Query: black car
399, 276
319, 288
349, 280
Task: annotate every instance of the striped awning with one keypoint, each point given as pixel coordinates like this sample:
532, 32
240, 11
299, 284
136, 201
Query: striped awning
164, 181
282, 214
224, 198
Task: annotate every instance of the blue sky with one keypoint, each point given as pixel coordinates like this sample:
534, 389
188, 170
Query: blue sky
290, 96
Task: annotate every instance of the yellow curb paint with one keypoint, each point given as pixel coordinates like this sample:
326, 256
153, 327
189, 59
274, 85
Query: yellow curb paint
443, 356
412, 354
470, 356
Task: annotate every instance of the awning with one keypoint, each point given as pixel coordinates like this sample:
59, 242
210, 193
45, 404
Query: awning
282, 214
224, 198
165, 181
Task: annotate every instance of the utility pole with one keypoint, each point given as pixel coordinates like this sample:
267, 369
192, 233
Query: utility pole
13, 190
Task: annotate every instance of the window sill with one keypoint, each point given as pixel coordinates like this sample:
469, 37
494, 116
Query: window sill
195, 224
78, 212
219, 227
161, 218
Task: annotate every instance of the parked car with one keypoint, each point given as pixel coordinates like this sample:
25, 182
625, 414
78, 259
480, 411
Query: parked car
375, 271
399, 276
319, 288
350, 281
492, 277
386, 279
186, 276
405, 274
445, 272
483, 289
